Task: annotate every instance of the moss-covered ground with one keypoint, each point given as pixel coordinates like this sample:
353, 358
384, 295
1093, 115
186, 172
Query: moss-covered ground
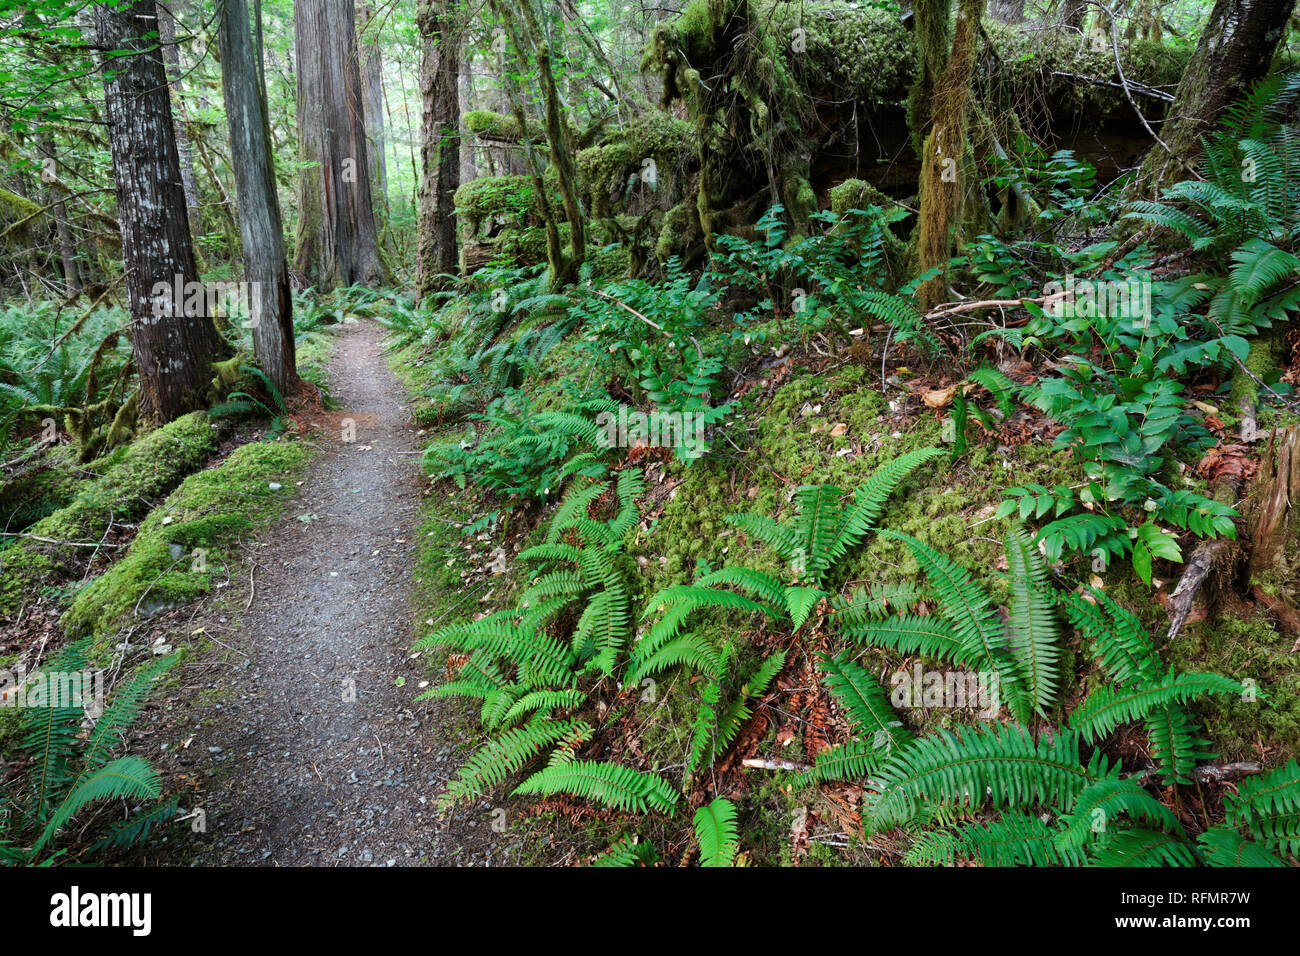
823, 421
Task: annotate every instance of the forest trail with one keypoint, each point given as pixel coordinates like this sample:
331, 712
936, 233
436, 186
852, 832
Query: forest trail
323, 759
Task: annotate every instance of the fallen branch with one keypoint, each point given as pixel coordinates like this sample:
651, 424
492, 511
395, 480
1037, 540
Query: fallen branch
1209, 773
1180, 601
950, 309
1136, 87
67, 544
759, 763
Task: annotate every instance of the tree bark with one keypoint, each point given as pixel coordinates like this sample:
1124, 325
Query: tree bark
172, 61
265, 268
439, 145
944, 169
561, 148
337, 242
372, 76
175, 340
468, 151
1234, 51
67, 248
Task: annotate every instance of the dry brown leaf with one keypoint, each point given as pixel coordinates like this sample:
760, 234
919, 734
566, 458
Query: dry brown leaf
939, 397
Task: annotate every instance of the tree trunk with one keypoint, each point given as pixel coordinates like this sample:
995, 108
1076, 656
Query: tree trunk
555, 256
1274, 523
1234, 52
561, 149
439, 145
372, 76
175, 341
944, 166
337, 242
67, 248
172, 60
265, 269
468, 151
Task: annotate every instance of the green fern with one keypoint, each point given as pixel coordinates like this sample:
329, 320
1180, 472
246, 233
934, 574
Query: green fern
628, 852
1268, 808
1031, 624
975, 622
126, 778
1140, 847
1002, 765
1098, 808
1224, 846
505, 755
1108, 707
861, 695
617, 787
717, 833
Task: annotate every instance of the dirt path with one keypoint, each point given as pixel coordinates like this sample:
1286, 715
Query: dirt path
309, 753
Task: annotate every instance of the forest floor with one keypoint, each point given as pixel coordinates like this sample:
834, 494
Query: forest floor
306, 745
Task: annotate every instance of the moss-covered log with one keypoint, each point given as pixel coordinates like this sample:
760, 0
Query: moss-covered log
787, 99
138, 475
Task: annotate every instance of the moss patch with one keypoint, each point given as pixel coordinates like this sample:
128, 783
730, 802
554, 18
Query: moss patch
133, 478
187, 539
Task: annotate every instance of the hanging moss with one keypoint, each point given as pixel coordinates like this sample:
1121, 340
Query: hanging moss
947, 170
22, 211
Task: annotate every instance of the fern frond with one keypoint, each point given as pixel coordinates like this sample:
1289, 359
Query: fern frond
717, 833
818, 516
1268, 807
934, 637
1002, 388
968, 607
543, 701
540, 656
1224, 846
999, 764
691, 650
1144, 848
778, 537
459, 688
505, 755
1018, 839
799, 602
1031, 623
1120, 643
760, 584
126, 778
1107, 707
851, 760
617, 787
627, 852
1099, 806
869, 501
866, 702
1175, 743
937, 848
